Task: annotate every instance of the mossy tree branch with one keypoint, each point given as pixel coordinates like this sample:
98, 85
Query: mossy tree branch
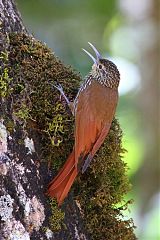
36, 134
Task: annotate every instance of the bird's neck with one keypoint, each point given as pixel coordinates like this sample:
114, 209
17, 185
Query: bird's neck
108, 81
89, 79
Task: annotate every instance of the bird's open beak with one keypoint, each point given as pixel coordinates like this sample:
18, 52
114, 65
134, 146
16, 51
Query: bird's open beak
98, 55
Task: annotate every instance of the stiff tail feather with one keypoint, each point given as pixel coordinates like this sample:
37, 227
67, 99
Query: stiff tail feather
61, 184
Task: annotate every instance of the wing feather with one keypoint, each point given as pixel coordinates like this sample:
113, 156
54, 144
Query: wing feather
95, 110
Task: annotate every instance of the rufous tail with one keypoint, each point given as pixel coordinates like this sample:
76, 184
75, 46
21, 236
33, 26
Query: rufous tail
61, 184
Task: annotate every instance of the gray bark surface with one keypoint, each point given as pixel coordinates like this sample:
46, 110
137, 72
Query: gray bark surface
10, 18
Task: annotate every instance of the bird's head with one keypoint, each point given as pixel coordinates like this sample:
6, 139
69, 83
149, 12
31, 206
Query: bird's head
103, 70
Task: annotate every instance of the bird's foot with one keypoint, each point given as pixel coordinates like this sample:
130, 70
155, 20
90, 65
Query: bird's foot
60, 89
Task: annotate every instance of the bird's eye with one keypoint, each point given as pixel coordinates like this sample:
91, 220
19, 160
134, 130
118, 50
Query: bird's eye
100, 66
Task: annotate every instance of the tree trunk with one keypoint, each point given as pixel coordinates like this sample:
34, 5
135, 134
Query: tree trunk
36, 135
10, 18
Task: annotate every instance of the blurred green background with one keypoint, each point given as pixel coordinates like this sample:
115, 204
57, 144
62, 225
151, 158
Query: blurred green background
126, 32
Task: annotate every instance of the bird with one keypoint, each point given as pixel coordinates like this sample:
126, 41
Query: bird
93, 108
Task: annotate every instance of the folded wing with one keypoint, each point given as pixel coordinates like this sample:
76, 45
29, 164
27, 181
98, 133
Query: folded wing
93, 117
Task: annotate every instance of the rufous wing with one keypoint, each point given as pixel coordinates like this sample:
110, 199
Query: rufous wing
93, 117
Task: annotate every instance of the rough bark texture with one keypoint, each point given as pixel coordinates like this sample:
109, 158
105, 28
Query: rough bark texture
36, 128
9, 17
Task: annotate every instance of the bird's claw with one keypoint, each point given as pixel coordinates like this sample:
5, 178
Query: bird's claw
86, 163
59, 87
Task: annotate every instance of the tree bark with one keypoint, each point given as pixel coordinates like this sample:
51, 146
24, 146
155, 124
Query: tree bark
10, 18
36, 129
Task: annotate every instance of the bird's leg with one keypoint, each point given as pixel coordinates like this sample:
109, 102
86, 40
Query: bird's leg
60, 89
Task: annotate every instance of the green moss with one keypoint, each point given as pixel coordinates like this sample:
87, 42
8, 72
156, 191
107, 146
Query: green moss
56, 127
4, 56
57, 217
39, 108
35, 102
4, 75
9, 125
22, 113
